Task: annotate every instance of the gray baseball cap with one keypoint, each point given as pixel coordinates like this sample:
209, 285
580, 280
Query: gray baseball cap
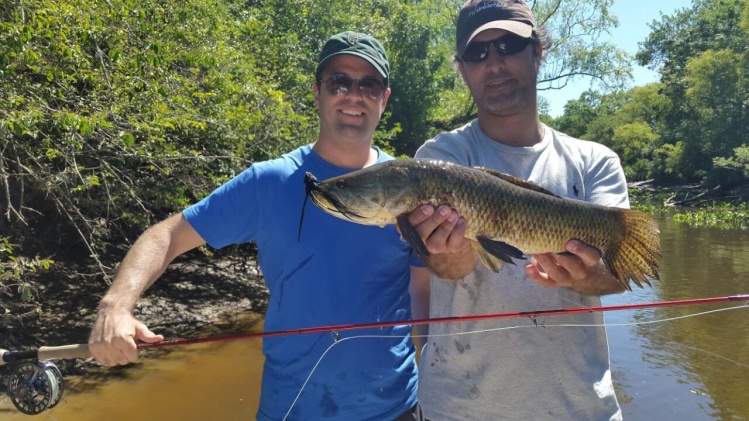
477, 16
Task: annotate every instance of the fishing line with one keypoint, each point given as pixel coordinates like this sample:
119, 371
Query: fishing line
745, 305
692, 348
661, 335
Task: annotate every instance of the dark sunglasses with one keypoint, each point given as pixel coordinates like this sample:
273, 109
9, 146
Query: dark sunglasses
341, 84
478, 51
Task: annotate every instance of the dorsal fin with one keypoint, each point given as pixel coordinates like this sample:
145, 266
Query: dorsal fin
516, 181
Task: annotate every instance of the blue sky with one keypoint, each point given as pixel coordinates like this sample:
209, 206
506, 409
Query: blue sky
634, 17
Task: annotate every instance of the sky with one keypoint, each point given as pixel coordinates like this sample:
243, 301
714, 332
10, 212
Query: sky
634, 17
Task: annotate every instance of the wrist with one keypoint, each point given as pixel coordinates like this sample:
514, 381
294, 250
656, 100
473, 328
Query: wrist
112, 304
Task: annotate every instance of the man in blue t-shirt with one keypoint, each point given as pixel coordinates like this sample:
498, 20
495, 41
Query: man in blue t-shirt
332, 272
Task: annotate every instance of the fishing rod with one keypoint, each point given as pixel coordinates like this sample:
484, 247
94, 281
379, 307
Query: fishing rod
36, 385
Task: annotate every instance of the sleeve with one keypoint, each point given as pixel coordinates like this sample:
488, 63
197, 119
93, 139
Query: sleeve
229, 215
605, 182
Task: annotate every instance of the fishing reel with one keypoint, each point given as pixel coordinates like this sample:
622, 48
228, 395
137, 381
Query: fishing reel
35, 386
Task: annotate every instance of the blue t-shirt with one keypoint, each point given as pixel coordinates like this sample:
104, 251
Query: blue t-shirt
338, 272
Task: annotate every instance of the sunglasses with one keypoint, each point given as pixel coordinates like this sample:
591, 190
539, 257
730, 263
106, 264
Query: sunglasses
478, 51
341, 84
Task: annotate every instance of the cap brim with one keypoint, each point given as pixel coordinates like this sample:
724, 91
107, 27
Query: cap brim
519, 28
355, 54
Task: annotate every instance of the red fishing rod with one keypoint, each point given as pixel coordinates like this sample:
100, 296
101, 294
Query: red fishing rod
36, 386
81, 350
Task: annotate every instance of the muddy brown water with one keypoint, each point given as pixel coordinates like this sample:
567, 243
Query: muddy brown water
692, 367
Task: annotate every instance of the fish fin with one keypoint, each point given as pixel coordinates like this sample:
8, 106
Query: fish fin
492, 253
635, 257
492, 263
310, 183
409, 235
516, 181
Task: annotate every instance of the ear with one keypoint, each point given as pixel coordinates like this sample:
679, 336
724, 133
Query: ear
462, 72
316, 94
384, 101
538, 55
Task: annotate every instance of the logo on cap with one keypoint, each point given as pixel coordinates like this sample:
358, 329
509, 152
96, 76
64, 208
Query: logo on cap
479, 9
353, 38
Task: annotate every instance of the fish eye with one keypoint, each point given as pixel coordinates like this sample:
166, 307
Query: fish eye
341, 184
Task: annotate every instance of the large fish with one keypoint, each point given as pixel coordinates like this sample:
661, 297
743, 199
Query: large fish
506, 217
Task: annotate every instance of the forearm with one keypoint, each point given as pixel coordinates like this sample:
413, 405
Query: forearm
452, 266
147, 260
142, 265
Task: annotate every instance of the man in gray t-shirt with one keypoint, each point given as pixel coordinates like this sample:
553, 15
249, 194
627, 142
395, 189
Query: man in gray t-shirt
531, 370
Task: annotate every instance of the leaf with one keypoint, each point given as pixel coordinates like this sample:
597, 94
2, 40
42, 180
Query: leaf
128, 139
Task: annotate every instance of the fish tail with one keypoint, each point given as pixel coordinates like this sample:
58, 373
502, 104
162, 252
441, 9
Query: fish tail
635, 257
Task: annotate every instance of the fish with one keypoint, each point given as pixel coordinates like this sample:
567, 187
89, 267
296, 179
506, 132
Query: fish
506, 217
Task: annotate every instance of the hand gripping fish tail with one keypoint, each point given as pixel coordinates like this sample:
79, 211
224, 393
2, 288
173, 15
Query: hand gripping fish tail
506, 217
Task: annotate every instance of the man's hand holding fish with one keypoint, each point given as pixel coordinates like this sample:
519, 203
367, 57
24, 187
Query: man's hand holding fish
442, 230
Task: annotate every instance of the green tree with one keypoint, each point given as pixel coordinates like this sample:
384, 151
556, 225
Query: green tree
739, 162
580, 113
701, 57
115, 115
578, 29
635, 144
627, 121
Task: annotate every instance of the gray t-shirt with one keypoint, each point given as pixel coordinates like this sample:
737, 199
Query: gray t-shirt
521, 368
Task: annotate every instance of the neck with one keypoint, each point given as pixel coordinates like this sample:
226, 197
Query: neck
353, 156
518, 130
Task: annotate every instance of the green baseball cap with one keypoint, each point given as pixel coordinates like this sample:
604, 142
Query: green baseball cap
355, 44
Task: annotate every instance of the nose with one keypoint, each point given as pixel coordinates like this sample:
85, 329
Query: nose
355, 90
355, 93
494, 59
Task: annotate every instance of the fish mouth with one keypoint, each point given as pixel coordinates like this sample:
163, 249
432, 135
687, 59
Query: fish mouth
327, 201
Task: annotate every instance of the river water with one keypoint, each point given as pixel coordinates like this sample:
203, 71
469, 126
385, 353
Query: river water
669, 363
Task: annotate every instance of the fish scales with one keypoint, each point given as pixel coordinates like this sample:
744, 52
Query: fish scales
506, 217
505, 212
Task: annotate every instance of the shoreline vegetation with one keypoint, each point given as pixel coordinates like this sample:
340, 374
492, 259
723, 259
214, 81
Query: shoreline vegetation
695, 205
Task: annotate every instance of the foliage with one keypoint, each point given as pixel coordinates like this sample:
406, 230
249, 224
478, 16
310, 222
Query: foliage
691, 126
115, 114
740, 161
14, 273
724, 216
118, 115
577, 29
626, 121
702, 55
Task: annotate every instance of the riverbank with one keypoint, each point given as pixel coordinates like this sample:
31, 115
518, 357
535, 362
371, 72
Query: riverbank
195, 293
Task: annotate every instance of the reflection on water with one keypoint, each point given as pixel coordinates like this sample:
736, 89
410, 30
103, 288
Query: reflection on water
218, 381
695, 368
